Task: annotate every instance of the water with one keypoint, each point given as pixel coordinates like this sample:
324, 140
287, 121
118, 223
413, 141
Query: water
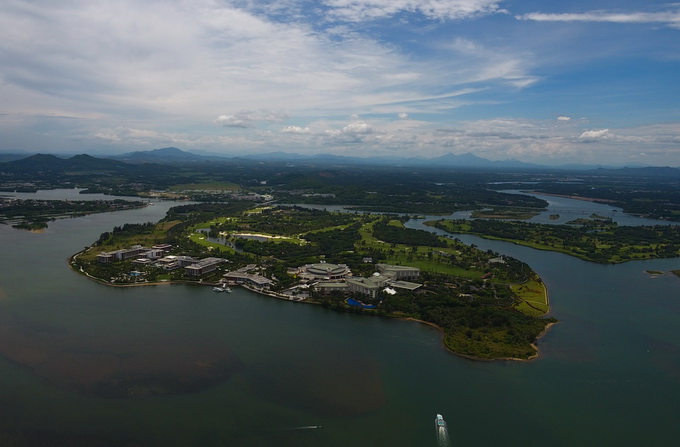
567, 210
570, 209
248, 370
64, 194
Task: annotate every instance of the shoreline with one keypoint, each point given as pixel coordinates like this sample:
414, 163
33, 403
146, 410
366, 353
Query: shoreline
565, 196
442, 333
546, 248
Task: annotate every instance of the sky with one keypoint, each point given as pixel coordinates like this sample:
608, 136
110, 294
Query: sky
593, 82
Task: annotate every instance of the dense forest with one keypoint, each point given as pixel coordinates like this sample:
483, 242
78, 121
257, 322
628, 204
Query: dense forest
594, 240
432, 190
35, 214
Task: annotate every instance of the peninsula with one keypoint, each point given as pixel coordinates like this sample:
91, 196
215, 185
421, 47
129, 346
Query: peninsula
486, 305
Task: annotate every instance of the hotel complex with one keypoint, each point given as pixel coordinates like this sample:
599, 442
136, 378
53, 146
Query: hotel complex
322, 276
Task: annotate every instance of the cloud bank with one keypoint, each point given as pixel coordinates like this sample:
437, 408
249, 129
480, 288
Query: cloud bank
668, 18
426, 77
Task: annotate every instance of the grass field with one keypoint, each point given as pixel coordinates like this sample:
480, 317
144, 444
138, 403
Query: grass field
534, 296
200, 239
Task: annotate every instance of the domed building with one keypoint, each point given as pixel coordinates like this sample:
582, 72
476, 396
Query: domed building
325, 270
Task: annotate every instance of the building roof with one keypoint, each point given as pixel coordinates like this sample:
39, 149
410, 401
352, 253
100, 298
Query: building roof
372, 282
325, 269
331, 285
396, 267
405, 285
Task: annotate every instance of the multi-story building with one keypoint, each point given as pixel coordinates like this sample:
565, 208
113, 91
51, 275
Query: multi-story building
203, 266
250, 279
398, 272
367, 286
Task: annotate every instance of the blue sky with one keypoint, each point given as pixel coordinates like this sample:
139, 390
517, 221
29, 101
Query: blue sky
544, 82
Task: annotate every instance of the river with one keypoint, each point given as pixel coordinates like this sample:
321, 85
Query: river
608, 374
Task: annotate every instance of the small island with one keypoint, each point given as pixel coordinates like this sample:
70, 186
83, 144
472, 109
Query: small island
506, 213
487, 306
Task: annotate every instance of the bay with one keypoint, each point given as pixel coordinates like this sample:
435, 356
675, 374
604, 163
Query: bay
609, 372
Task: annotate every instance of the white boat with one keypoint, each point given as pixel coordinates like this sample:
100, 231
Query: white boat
224, 288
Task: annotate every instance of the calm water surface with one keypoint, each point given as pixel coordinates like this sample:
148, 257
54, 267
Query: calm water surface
248, 370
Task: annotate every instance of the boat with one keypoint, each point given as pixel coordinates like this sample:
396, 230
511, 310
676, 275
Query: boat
224, 288
439, 421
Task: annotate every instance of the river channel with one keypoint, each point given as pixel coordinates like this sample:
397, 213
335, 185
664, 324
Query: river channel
248, 370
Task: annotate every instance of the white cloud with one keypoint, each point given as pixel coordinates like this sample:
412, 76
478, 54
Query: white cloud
473, 62
190, 63
248, 118
358, 10
134, 72
182, 58
296, 129
669, 18
357, 127
594, 135
231, 121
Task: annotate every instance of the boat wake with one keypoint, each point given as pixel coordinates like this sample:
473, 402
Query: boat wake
442, 431
442, 438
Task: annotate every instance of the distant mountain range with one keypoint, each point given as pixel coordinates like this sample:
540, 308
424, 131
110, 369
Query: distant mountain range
52, 163
163, 155
467, 160
173, 155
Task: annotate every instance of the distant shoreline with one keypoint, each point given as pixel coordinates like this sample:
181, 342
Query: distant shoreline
566, 196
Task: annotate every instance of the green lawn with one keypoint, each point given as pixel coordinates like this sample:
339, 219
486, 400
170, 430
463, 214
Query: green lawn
534, 296
200, 239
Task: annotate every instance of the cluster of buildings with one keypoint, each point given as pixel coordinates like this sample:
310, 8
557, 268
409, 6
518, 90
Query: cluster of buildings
158, 255
136, 251
323, 277
327, 278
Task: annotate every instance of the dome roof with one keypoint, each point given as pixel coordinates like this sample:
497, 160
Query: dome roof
326, 269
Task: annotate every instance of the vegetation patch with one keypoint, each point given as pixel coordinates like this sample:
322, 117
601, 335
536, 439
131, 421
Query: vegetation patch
597, 239
32, 214
506, 213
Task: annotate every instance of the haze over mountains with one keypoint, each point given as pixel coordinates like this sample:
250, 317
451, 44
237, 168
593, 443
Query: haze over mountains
173, 155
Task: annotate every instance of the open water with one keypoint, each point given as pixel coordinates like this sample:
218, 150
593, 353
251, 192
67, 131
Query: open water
83, 364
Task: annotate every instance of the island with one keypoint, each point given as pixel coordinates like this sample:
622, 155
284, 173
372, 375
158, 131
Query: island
33, 214
506, 213
487, 306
